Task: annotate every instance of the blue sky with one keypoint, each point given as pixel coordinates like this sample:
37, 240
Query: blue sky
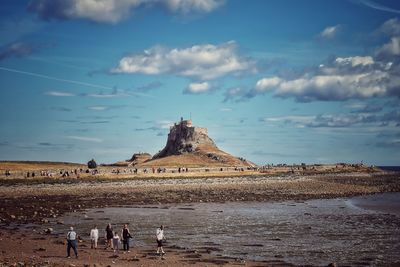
273, 81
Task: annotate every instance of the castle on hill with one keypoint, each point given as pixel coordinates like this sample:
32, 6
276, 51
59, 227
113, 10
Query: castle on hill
188, 125
184, 138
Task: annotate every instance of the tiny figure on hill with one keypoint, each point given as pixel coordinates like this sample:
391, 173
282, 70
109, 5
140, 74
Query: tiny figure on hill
92, 164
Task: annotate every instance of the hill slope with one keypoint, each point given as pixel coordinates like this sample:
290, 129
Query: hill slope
190, 146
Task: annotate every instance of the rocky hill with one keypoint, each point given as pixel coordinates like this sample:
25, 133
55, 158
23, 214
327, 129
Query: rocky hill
191, 146
135, 160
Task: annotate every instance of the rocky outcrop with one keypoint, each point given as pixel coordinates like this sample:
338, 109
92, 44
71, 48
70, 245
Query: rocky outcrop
184, 138
139, 158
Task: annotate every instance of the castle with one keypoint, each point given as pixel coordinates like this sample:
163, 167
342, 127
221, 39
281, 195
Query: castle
187, 124
183, 138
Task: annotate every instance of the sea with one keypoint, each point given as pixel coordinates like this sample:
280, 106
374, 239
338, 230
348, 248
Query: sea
390, 168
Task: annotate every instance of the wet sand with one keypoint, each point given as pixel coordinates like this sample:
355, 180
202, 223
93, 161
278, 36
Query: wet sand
43, 204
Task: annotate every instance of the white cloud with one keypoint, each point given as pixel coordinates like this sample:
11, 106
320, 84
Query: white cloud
204, 62
329, 32
189, 6
342, 79
355, 61
59, 93
225, 109
267, 83
391, 27
85, 138
390, 49
197, 88
113, 11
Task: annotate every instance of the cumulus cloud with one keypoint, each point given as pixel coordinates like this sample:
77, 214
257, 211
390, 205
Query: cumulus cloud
198, 88
189, 6
391, 27
113, 11
330, 32
110, 11
341, 79
266, 83
390, 49
202, 62
18, 49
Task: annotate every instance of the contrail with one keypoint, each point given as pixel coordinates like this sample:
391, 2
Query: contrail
67, 81
55, 78
378, 6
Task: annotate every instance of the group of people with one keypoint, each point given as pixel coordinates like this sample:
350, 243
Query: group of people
113, 240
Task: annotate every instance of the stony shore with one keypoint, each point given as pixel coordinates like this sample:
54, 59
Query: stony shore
33, 203
38, 203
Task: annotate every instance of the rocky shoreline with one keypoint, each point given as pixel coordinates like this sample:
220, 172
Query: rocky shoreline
37, 202
44, 203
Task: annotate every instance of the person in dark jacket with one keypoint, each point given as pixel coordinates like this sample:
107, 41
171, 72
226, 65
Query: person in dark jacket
125, 237
109, 236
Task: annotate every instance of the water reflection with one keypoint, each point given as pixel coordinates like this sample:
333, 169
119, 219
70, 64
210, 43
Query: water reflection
310, 232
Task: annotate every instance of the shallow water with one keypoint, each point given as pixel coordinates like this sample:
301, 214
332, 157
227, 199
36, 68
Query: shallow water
346, 231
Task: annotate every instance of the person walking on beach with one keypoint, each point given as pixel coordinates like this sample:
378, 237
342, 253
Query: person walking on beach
116, 240
94, 236
71, 242
109, 236
126, 235
160, 237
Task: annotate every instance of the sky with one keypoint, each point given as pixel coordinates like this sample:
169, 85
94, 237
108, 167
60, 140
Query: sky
273, 81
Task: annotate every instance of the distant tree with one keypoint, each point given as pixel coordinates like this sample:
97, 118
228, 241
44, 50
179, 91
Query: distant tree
92, 164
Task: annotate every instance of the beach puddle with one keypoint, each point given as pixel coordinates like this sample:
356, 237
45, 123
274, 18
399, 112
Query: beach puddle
356, 231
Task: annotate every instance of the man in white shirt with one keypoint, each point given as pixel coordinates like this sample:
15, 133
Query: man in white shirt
71, 242
94, 236
160, 237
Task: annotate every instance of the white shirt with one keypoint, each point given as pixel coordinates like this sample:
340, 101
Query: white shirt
160, 234
71, 235
94, 234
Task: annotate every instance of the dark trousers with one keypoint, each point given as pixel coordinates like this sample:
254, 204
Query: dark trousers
126, 244
71, 244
